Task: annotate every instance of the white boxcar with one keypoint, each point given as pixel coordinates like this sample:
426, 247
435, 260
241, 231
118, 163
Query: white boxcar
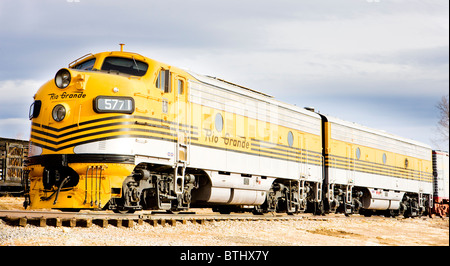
441, 175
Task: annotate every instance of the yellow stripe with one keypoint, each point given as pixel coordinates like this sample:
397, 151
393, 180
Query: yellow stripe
376, 168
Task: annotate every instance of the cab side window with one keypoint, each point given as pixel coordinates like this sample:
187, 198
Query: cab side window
163, 80
180, 86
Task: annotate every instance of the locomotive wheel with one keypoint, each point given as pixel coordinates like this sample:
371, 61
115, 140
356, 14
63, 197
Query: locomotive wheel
224, 210
367, 213
319, 208
402, 209
258, 210
441, 211
123, 211
390, 213
119, 208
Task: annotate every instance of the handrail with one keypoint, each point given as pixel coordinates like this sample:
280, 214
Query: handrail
79, 59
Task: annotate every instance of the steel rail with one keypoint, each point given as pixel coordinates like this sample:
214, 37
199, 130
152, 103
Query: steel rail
103, 218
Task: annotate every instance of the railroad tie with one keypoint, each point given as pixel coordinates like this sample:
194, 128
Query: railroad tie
153, 222
198, 221
23, 221
118, 223
73, 222
129, 223
87, 223
42, 222
102, 223
57, 222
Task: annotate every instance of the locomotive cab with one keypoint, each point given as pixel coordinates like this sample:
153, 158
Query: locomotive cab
89, 122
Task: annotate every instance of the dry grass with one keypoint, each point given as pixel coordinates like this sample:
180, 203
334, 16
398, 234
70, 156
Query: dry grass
331, 232
11, 203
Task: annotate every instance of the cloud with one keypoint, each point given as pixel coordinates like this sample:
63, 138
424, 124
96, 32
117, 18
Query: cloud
15, 128
16, 97
336, 55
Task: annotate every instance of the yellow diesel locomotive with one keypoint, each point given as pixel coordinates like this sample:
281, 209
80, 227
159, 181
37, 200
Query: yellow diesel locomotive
120, 131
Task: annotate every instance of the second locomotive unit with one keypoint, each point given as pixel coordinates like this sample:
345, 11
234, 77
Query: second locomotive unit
120, 131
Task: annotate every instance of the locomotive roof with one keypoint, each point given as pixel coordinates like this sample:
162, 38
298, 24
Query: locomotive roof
218, 82
225, 85
379, 132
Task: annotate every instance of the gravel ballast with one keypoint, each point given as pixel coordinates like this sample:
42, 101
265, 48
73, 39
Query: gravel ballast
335, 232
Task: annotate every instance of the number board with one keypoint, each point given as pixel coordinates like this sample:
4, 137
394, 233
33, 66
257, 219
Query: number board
114, 104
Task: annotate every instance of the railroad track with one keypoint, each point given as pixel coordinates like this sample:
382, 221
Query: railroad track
105, 218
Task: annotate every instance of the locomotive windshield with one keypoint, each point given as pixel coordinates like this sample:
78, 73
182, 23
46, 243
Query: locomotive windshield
128, 66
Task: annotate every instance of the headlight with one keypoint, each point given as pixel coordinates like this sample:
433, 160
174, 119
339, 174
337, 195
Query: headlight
59, 112
62, 78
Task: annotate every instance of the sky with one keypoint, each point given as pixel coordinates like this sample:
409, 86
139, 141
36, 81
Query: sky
380, 63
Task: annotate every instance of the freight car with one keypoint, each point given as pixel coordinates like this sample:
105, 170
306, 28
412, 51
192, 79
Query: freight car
120, 131
13, 153
441, 184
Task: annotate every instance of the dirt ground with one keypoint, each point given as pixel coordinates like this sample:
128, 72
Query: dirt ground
310, 231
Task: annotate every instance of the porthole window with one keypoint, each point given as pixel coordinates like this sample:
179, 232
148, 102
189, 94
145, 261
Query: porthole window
384, 158
358, 153
219, 122
290, 139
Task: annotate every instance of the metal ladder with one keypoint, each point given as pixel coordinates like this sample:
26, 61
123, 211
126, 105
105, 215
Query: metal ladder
182, 149
182, 159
